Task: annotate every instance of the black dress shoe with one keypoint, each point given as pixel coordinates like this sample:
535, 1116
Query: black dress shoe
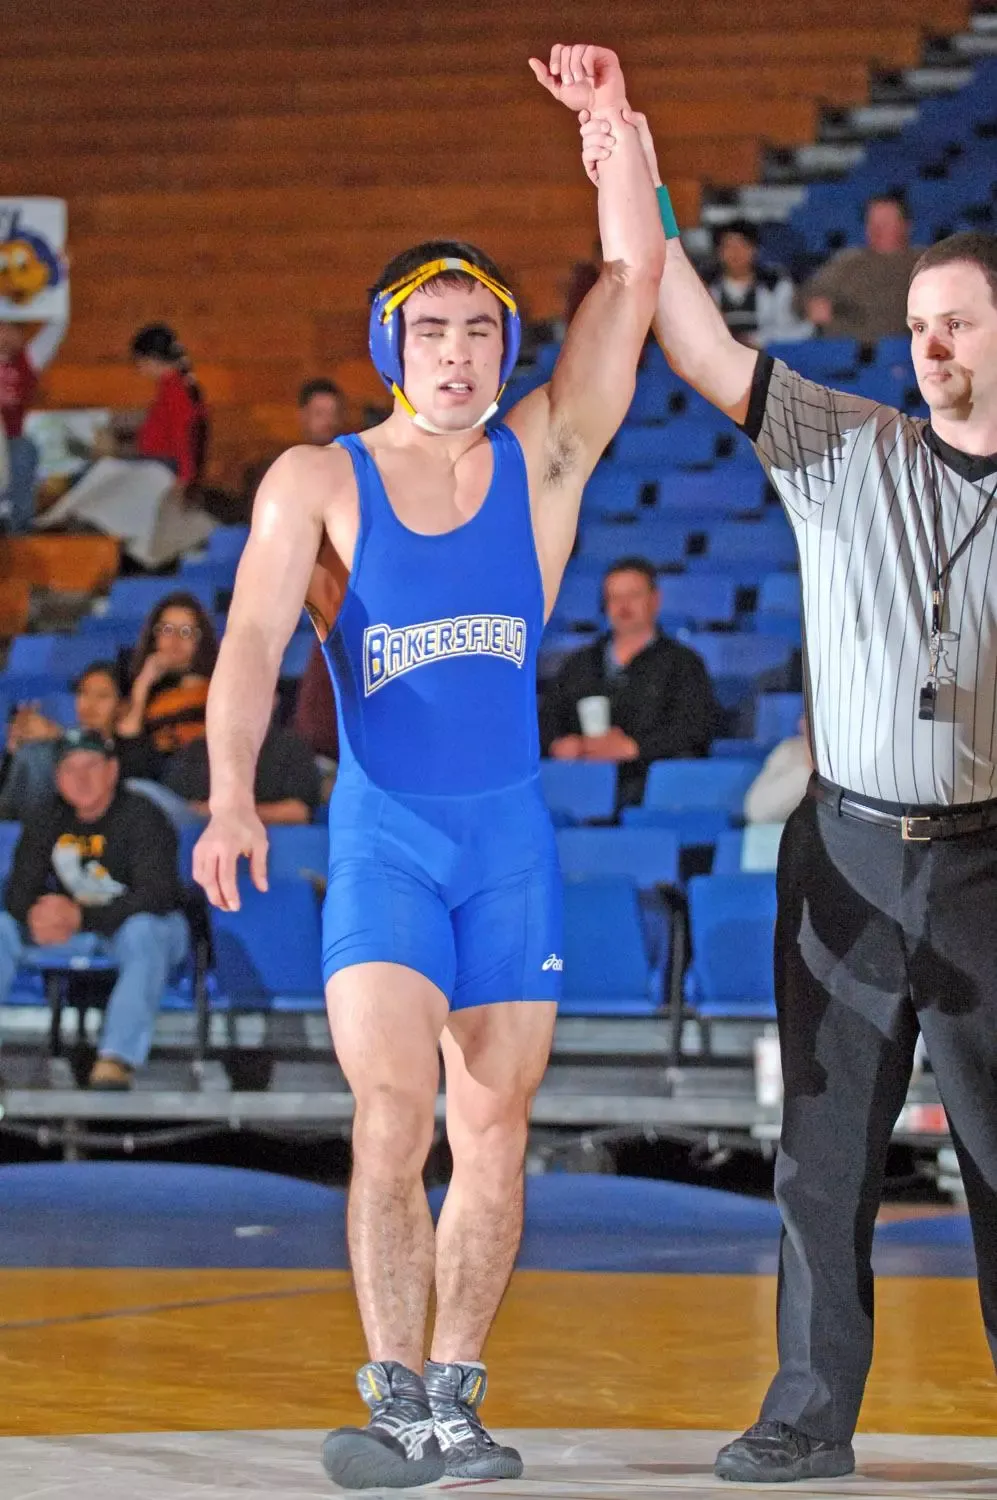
775, 1453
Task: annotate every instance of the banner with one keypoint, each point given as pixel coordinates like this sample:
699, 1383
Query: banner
34, 279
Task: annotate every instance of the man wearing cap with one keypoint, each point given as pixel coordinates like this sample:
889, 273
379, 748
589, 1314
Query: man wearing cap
96, 873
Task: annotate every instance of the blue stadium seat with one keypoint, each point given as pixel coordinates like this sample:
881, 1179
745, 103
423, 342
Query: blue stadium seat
687, 785
256, 967
297, 851
217, 573
9, 835
109, 634
718, 494
707, 599
734, 747
187, 837
545, 359
650, 401
30, 654
767, 543
779, 594
577, 791
683, 443
731, 925
894, 350
691, 826
58, 657
606, 968
777, 716
879, 383
55, 703
661, 543
579, 599
819, 359
611, 492
519, 386
785, 627
227, 541
299, 649
741, 656
133, 598
650, 857
61, 707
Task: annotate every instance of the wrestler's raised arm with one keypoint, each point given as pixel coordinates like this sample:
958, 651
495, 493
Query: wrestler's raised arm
593, 380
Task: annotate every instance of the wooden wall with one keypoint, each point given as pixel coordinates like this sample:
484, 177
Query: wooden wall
243, 170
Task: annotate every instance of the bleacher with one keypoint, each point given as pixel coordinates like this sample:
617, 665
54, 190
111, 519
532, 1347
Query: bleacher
203, 159
670, 904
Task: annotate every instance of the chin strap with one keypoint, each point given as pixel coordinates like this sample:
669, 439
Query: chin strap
425, 425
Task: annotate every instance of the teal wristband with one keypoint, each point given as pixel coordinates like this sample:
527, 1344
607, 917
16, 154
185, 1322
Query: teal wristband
667, 214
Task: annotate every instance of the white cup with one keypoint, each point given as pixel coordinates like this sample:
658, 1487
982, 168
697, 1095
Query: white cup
768, 1069
593, 715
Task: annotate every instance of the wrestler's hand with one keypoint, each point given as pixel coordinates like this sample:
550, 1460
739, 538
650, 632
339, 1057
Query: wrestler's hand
582, 77
599, 141
230, 834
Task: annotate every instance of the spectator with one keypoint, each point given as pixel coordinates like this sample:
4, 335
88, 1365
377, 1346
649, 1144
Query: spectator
28, 766
175, 428
21, 362
170, 670
155, 507
322, 412
756, 301
862, 294
779, 787
322, 416
97, 874
653, 695
288, 784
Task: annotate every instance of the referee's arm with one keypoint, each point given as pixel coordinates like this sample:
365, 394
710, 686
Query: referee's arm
687, 322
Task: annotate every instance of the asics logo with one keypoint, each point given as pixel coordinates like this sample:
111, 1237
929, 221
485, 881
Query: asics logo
552, 962
413, 1436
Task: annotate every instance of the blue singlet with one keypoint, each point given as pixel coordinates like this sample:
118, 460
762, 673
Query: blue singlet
442, 854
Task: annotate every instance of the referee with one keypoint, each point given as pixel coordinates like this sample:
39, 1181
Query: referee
887, 879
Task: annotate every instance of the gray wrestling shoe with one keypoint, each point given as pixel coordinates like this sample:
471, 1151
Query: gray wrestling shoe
775, 1453
455, 1392
398, 1447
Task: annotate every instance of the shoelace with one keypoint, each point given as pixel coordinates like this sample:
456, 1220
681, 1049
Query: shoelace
411, 1432
463, 1428
780, 1431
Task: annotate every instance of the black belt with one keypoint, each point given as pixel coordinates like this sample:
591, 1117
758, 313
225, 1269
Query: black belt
914, 828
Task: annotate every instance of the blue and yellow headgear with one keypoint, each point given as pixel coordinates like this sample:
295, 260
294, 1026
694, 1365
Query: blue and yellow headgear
385, 332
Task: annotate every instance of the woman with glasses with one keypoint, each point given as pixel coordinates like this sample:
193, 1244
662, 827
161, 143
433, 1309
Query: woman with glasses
171, 667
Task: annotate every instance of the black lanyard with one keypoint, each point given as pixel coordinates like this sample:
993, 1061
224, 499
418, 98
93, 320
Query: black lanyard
942, 575
928, 696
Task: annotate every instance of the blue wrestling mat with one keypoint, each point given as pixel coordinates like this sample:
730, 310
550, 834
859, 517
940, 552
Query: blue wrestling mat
95, 1214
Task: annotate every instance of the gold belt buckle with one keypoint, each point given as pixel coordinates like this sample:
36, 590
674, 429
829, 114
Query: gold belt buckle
914, 838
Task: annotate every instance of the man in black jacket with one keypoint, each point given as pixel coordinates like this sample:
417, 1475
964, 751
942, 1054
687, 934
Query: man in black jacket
96, 873
652, 696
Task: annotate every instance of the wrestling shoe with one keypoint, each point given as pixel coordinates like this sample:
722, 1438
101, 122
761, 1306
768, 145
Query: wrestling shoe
775, 1453
455, 1392
398, 1448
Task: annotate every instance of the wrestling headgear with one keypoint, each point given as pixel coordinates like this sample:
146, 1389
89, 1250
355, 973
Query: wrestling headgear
385, 333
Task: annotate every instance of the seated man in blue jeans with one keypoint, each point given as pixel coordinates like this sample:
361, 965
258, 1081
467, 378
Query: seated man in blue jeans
96, 872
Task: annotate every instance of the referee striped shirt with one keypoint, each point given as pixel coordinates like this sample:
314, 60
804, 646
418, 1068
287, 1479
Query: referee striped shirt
871, 494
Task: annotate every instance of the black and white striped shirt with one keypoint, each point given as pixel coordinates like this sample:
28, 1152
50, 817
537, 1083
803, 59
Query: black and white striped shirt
862, 485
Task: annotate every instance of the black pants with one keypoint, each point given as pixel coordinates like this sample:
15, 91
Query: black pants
874, 939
